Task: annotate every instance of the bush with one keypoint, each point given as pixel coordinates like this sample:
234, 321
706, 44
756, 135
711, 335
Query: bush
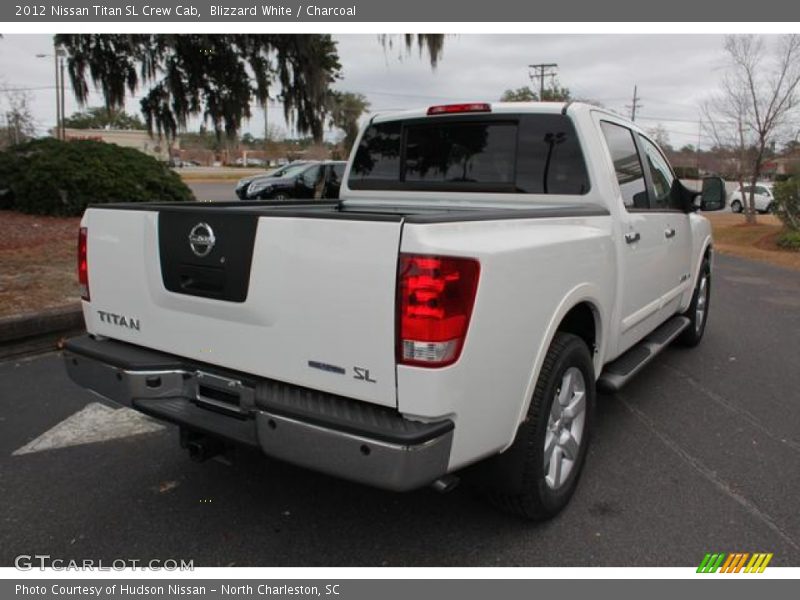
789, 240
49, 177
787, 197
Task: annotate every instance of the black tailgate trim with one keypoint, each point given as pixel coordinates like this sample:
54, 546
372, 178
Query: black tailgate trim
221, 274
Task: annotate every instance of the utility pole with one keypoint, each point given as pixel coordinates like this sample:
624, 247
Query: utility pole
60, 54
58, 95
636, 104
541, 71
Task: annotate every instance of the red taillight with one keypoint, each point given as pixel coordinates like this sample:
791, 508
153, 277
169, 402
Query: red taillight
83, 267
434, 304
447, 109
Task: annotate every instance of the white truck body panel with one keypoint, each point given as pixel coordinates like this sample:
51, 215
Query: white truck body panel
521, 297
318, 292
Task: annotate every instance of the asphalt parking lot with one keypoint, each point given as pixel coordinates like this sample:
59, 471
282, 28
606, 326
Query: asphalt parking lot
700, 453
216, 191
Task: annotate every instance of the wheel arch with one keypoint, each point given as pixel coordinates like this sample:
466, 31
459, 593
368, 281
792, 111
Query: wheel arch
578, 313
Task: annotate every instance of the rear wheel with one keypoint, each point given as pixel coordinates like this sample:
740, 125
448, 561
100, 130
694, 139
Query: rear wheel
736, 206
698, 309
771, 208
540, 471
280, 196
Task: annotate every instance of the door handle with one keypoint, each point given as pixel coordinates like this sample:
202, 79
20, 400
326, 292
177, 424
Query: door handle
669, 233
632, 237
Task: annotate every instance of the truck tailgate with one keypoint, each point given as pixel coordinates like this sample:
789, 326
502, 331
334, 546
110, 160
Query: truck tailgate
295, 298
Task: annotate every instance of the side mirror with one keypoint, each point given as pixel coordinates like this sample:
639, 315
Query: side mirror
713, 196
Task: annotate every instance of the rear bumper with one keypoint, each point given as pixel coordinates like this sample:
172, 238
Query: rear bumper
339, 436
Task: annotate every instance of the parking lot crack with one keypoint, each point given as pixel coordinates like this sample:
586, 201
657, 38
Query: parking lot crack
708, 474
729, 406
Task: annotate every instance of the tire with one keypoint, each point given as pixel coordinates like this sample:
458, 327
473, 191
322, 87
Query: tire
771, 208
280, 196
526, 484
736, 206
698, 309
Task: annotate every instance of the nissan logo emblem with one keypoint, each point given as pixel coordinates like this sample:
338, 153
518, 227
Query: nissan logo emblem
201, 239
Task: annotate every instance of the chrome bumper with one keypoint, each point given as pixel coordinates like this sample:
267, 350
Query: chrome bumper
338, 436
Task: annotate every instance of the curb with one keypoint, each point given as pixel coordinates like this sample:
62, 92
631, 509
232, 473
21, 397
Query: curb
38, 332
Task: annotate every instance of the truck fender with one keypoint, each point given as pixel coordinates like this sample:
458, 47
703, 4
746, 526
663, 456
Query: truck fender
706, 246
583, 293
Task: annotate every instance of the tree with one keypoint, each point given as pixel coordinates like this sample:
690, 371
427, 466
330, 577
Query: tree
523, 94
100, 117
215, 76
18, 122
555, 93
660, 136
759, 93
345, 110
791, 147
432, 43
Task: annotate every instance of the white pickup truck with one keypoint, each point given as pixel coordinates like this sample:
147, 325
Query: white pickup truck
487, 267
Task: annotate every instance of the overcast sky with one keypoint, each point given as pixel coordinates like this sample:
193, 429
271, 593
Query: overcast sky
673, 74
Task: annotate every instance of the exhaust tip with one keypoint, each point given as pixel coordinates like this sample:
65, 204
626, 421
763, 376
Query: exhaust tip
446, 483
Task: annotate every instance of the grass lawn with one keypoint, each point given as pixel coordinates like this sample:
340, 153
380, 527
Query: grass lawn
733, 236
217, 174
37, 262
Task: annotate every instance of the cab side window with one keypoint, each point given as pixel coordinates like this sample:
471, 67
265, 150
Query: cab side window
660, 174
628, 167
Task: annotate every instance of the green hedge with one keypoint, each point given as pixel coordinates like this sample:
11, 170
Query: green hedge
49, 177
787, 197
789, 240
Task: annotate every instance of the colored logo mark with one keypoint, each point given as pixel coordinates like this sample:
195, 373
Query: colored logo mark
735, 562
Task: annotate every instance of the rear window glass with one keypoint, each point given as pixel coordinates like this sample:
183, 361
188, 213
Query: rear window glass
535, 154
465, 152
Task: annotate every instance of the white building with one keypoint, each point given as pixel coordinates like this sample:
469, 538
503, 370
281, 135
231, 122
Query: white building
157, 147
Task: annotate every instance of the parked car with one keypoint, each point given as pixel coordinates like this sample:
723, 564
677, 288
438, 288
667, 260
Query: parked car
486, 268
182, 163
317, 180
763, 199
243, 184
249, 162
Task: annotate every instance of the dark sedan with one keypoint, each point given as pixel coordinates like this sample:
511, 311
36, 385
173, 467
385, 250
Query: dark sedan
243, 184
320, 180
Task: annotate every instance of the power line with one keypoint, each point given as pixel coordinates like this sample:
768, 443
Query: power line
28, 89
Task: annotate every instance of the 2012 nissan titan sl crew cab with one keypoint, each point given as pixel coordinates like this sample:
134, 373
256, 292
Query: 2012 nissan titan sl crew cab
486, 269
